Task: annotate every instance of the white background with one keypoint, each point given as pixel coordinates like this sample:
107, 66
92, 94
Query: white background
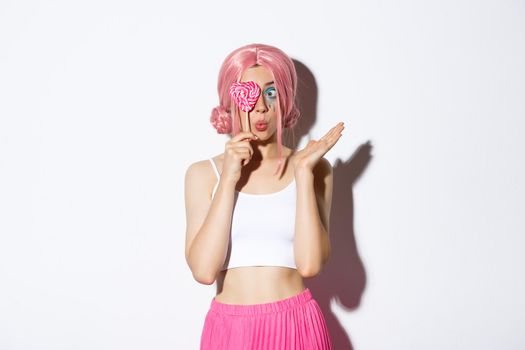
104, 105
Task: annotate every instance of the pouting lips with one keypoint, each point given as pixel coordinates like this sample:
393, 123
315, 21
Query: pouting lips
261, 126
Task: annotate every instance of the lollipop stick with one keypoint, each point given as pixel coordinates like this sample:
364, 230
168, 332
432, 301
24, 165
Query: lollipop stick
246, 128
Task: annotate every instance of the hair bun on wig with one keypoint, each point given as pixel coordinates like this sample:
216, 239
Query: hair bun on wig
221, 120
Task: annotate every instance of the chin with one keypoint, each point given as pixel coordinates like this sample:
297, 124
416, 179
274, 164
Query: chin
265, 136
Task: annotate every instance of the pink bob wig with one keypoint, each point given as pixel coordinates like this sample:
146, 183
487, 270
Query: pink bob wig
225, 117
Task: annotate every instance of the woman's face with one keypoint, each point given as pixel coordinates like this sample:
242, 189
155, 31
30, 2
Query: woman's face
263, 117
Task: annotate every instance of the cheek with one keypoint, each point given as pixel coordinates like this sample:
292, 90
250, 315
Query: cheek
270, 102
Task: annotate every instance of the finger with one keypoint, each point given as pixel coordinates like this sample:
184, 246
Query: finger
245, 157
243, 154
328, 134
244, 150
332, 131
243, 145
337, 129
333, 138
243, 135
330, 140
327, 145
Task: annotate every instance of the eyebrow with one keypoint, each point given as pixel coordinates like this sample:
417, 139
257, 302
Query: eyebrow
268, 83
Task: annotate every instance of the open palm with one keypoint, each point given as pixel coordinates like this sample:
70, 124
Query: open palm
310, 155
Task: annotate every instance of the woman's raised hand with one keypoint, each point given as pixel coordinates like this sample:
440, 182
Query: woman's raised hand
309, 156
237, 153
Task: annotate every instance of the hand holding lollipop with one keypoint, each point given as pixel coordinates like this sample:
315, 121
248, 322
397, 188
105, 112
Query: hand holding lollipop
238, 150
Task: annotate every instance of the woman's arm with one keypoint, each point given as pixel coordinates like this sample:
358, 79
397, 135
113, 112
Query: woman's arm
314, 178
208, 223
314, 198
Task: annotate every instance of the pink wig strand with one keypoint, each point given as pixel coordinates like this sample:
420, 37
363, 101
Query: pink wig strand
225, 117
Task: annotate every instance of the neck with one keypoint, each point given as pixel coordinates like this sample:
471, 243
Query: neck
265, 150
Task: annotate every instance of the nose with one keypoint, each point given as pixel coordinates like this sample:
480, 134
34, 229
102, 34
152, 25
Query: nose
260, 106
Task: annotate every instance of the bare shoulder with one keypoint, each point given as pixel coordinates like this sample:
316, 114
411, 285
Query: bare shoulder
198, 171
202, 167
200, 175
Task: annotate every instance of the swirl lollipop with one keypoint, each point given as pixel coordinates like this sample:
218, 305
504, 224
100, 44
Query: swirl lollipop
245, 95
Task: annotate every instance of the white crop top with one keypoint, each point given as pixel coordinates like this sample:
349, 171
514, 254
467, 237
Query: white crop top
262, 228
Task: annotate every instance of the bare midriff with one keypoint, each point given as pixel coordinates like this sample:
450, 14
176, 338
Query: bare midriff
257, 284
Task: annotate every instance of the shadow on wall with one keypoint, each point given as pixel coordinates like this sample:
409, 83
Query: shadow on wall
344, 276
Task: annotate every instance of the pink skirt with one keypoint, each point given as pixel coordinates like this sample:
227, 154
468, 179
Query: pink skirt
294, 323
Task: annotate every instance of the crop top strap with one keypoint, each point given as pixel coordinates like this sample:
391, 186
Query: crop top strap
215, 169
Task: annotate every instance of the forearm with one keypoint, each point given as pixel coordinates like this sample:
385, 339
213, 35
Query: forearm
311, 242
210, 246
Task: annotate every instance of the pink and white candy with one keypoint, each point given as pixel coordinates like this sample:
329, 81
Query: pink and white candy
245, 95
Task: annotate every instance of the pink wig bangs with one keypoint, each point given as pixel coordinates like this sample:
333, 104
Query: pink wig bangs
225, 117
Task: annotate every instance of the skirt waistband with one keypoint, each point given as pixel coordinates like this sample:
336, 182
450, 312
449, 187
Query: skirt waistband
256, 309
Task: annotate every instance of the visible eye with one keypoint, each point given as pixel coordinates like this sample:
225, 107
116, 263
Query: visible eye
270, 92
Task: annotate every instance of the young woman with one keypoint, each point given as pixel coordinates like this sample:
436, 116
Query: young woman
257, 215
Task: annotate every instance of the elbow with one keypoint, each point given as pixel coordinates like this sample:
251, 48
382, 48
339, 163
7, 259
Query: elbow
309, 272
204, 278
312, 266
312, 269
200, 274
207, 281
